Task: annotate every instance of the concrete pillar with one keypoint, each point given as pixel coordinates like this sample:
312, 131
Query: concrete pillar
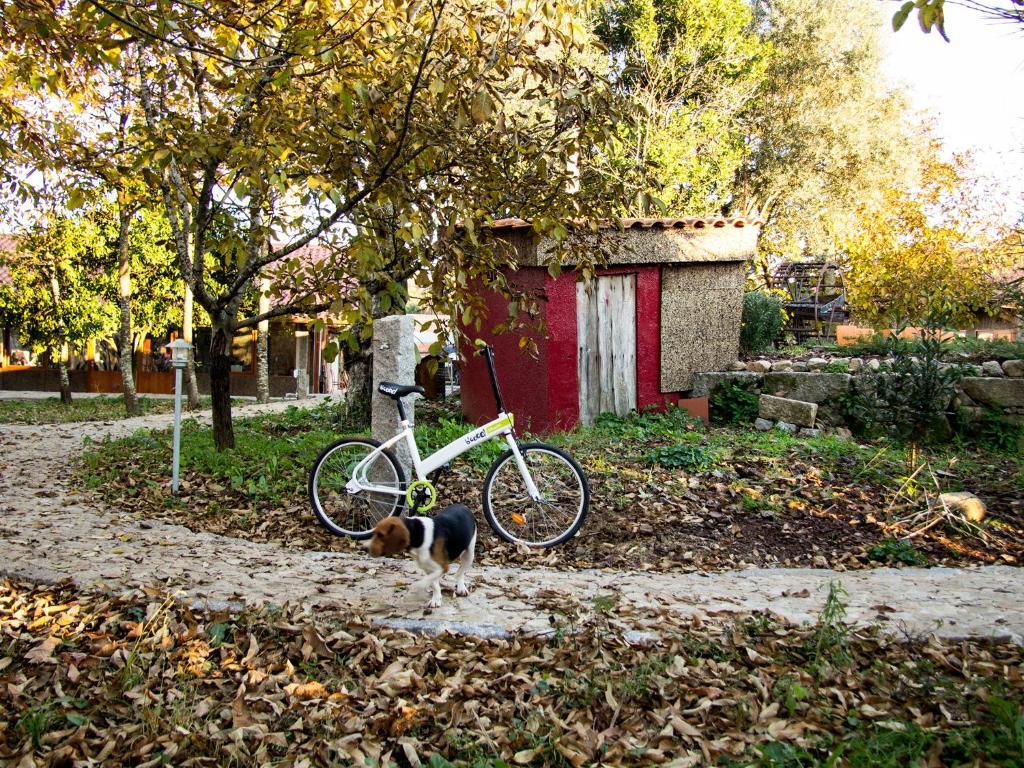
394, 360
301, 363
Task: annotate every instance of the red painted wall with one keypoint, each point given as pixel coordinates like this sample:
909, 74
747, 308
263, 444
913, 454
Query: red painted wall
543, 392
522, 377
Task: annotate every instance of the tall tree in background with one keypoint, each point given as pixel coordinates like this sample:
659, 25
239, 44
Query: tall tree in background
825, 135
57, 291
925, 255
689, 72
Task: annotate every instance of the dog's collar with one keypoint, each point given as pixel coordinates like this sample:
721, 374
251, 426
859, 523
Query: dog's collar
415, 526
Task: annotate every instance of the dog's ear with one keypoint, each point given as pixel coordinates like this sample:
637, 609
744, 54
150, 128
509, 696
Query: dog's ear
396, 536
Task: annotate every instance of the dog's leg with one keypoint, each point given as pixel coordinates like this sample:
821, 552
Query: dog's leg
465, 563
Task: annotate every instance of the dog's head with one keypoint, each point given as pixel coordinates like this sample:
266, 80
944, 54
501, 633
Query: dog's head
390, 537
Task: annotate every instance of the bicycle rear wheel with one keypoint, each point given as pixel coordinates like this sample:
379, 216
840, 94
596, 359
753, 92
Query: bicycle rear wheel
354, 514
564, 503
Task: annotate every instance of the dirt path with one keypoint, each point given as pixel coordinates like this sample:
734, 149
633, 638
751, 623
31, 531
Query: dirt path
48, 531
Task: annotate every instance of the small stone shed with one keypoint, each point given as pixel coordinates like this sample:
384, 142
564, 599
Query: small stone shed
666, 306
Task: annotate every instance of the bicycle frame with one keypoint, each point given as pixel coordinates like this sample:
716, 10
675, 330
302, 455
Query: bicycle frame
499, 428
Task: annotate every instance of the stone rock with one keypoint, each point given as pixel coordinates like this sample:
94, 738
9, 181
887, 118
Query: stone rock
874, 364
829, 416
739, 365
809, 387
782, 365
394, 360
1001, 393
808, 432
785, 426
817, 363
1014, 368
856, 364
967, 504
800, 366
794, 412
992, 368
705, 383
842, 433
759, 366
962, 400
763, 425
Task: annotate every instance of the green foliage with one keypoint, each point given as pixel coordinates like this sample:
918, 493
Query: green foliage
910, 396
831, 634
733, 402
57, 294
694, 458
897, 552
102, 408
826, 133
763, 321
992, 430
688, 71
270, 462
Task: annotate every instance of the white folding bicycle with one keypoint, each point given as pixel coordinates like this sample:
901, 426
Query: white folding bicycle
534, 494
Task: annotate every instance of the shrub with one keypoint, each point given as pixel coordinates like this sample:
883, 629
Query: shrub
909, 398
733, 403
694, 458
763, 321
897, 551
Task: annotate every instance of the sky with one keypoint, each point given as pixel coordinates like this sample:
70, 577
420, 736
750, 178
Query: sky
974, 85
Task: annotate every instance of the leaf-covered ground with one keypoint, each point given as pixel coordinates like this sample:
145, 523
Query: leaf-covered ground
664, 497
143, 680
102, 408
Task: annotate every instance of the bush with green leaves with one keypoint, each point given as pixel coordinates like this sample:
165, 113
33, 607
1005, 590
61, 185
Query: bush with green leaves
695, 458
763, 321
733, 402
910, 396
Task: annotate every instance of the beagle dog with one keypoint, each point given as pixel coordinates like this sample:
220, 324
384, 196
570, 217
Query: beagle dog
434, 542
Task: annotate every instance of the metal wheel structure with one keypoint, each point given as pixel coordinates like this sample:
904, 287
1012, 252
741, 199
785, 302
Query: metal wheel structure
816, 297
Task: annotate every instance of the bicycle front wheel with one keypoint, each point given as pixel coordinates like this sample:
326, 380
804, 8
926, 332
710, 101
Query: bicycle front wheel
564, 497
354, 514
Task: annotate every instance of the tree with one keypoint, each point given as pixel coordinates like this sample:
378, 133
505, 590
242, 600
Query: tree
298, 119
825, 135
689, 71
925, 256
56, 291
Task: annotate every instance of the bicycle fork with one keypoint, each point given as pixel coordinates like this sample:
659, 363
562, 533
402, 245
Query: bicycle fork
531, 487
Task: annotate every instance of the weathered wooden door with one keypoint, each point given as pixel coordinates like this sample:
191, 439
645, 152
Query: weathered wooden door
606, 339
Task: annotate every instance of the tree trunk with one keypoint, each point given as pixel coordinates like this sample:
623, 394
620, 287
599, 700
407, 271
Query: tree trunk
262, 339
62, 366
220, 386
64, 350
191, 385
359, 370
124, 293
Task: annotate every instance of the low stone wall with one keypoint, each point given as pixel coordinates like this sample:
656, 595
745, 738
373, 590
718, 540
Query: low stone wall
786, 393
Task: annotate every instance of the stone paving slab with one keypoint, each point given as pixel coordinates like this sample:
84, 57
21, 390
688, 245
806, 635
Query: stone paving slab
50, 532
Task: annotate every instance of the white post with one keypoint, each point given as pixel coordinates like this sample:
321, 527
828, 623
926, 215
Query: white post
179, 359
177, 429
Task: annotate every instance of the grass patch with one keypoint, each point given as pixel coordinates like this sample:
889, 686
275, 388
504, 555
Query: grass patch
666, 493
101, 408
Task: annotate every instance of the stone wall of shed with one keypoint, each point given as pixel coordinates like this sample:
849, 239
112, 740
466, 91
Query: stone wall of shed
701, 309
